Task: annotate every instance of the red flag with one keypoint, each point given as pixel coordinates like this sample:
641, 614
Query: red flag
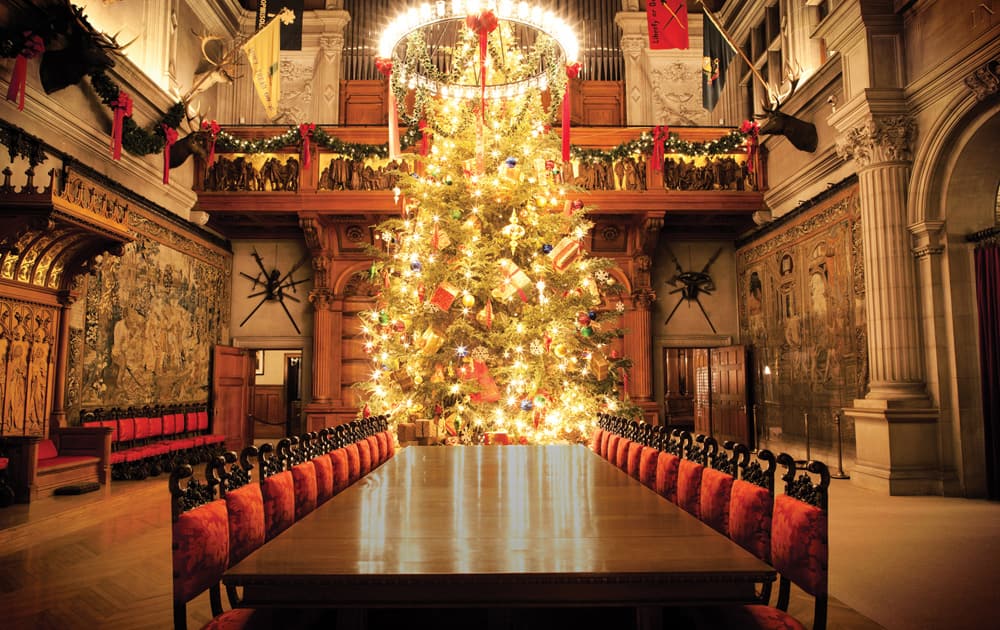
668, 24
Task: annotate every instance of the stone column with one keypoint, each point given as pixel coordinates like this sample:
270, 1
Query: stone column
897, 448
326, 72
634, 41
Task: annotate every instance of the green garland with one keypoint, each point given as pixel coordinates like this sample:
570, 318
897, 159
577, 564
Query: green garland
135, 139
226, 142
732, 142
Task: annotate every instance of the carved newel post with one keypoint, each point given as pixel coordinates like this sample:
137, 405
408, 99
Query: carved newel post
895, 417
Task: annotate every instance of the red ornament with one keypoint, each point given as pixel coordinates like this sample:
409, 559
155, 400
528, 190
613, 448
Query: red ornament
583, 319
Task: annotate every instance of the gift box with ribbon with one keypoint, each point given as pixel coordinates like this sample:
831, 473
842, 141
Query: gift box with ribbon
444, 295
564, 253
514, 281
430, 341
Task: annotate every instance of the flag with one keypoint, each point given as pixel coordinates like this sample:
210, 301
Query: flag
716, 56
264, 55
668, 24
291, 33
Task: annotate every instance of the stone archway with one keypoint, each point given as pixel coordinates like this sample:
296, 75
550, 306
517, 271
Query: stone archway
953, 194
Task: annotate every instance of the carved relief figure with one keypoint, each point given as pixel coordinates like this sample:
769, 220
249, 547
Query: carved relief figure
38, 380
4, 343
17, 380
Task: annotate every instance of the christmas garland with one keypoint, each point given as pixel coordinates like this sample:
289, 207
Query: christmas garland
226, 142
135, 139
732, 142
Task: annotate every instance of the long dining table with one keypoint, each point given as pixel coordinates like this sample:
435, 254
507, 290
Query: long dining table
501, 526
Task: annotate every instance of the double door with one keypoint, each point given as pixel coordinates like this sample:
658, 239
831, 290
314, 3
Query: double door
708, 389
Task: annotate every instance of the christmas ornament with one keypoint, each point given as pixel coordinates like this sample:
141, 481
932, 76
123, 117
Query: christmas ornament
514, 281
582, 318
587, 331
564, 253
468, 300
592, 315
514, 231
485, 315
416, 266
546, 248
456, 213
527, 405
444, 295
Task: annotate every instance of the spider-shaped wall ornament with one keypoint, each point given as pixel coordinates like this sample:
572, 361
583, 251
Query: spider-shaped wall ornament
274, 287
691, 284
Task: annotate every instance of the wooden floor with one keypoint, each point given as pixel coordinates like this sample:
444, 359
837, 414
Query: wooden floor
102, 560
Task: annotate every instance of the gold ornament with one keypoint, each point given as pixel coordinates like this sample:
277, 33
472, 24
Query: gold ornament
468, 300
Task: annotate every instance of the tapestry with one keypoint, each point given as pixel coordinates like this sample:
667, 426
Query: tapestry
152, 317
802, 308
26, 357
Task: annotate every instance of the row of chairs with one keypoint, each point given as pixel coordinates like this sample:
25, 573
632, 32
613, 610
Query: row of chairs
732, 490
219, 522
149, 440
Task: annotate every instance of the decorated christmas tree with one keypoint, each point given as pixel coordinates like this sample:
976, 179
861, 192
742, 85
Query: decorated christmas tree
492, 316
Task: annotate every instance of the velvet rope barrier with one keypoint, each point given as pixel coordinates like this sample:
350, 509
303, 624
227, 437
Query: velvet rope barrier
33, 46
385, 67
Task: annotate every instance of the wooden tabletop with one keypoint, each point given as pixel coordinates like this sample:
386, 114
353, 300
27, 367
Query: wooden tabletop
489, 526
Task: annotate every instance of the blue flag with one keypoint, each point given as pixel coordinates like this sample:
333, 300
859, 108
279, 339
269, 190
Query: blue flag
716, 56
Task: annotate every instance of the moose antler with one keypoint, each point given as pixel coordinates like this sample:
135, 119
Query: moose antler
215, 68
800, 133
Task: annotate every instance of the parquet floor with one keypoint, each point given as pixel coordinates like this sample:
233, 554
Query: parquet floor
102, 560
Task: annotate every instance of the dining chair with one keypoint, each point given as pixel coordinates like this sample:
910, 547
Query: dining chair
277, 488
716, 486
303, 477
689, 475
245, 507
751, 504
648, 457
667, 464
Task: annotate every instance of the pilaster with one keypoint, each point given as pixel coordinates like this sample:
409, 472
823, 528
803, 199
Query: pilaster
326, 74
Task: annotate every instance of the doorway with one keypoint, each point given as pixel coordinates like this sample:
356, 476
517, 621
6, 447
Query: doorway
277, 394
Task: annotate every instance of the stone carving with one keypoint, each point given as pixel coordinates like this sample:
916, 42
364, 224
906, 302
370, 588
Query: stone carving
985, 80
881, 139
25, 362
677, 94
722, 173
242, 174
625, 174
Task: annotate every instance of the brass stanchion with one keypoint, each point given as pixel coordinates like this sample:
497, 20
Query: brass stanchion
839, 474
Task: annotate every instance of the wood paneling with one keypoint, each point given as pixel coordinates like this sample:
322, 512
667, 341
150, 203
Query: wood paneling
232, 379
363, 103
730, 420
269, 413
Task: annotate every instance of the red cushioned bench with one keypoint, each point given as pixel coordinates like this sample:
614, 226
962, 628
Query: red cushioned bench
73, 455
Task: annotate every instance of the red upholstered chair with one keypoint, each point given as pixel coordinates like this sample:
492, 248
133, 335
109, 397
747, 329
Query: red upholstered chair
341, 470
353, 462
376, 453
364, 456
200, 551
612, 450
382, 437
595, 439
244, 504
689, 475
667, 464
716, 486
621, 456
751, 505
604, 446
324, 478
303, 477
278, 489
634, 453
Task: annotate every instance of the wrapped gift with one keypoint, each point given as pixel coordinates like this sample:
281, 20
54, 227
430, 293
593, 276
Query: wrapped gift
444, 295
403, 379
431, 341
514, 281
439, 238
599, 365
498, 438
569, 207
488, 390
564, 253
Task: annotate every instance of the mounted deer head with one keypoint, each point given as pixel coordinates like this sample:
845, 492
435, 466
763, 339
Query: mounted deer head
800, 133
84, 50
194, 143
217, 65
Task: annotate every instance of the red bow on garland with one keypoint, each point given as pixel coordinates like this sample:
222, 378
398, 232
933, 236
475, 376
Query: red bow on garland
483, 23
384, 66
170, 134
123, 107
751, 130
572, 72
33, 46
661, 133
305, 131
213, 130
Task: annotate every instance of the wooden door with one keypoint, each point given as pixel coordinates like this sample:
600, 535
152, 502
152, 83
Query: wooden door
232, 392
269, 412
678, 386
702, 391
730, 420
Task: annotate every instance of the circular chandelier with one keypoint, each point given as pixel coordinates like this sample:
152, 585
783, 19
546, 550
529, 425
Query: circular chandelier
432, 13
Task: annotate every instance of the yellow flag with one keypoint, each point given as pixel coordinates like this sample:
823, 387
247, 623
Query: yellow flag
263, 51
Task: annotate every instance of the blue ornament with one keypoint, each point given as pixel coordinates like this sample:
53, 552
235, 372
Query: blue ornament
511, 162
592, 315
546, 248
416, 266
527, 405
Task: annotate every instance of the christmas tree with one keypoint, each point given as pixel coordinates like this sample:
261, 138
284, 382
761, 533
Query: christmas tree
492, 317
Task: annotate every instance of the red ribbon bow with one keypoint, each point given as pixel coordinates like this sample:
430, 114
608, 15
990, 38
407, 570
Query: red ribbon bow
170, 134
483, 23
424, 137
123, 107
213, 130
661, 133
305, 131
33, 46
384, 65
751, 130
572, 72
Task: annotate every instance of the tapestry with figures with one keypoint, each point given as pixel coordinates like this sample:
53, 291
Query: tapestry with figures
152, 317
802, 307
